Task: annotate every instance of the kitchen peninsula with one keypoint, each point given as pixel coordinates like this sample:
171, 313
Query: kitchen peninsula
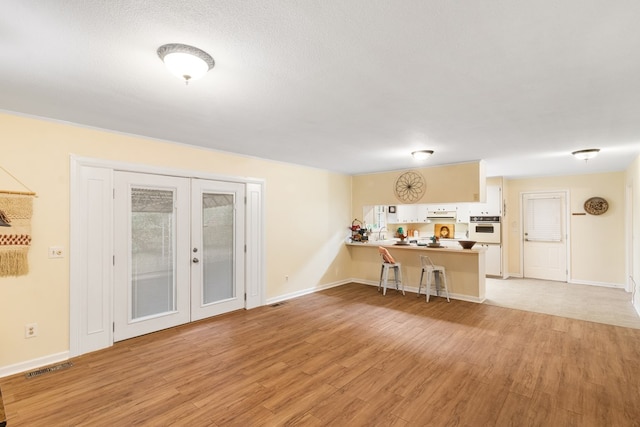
465, 267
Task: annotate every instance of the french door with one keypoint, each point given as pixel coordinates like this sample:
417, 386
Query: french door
179, 246
217, 236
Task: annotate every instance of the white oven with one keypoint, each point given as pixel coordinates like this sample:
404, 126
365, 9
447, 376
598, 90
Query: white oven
484, 229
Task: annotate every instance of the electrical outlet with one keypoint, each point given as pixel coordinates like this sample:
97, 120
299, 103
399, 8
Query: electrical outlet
286, 278
56, 252
31, 330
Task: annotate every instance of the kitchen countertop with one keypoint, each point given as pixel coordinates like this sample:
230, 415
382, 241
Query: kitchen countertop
414, 246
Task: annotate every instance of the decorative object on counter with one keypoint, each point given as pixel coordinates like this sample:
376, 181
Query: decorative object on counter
410, 187
356, 225
444, 231
596, 206
466, 244
435, 242
401, 236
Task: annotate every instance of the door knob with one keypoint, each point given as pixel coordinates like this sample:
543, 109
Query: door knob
196, 260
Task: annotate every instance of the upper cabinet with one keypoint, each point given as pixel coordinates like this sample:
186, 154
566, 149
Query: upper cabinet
493, 205
462, 213
408, 213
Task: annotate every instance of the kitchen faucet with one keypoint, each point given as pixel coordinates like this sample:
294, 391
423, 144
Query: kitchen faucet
380, 231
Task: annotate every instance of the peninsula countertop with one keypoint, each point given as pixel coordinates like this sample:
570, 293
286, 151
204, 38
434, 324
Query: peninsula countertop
465, 267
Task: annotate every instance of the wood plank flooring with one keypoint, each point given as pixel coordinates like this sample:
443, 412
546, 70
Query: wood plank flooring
348, 356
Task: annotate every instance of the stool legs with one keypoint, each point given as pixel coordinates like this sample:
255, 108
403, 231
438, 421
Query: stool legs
442, 278
384, 277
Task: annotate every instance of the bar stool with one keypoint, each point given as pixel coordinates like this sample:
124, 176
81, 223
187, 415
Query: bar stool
389, 263
430, 269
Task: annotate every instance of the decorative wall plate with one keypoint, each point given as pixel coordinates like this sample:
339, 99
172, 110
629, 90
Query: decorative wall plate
596, 206
410, 187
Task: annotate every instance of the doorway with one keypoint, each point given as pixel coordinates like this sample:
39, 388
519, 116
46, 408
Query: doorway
180, 251
545, 236
151, 249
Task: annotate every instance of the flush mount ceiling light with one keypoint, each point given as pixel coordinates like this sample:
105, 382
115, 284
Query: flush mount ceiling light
587, 154
186, 62
422, 154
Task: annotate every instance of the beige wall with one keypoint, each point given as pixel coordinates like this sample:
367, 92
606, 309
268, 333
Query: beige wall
300, 202
463, 182
633, 183
597, 242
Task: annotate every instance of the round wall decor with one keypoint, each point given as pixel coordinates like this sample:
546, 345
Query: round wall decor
596, 206
410, 187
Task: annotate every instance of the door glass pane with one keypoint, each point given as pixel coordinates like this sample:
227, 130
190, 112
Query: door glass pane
153, 289
218, 245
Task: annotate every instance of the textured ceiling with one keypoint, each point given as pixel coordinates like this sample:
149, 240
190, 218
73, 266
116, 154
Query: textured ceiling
350, 86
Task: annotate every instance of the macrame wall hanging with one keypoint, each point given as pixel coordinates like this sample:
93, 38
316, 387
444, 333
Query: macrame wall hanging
16, 208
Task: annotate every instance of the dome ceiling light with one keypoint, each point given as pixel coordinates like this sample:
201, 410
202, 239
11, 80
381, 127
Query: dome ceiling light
422, 154
186, 62
586, 154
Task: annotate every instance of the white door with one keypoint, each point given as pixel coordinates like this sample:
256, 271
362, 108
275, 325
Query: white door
545, 236
151, 242
217, 239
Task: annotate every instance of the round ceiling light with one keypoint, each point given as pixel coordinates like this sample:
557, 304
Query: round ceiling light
186, 62
587, 154
422, 154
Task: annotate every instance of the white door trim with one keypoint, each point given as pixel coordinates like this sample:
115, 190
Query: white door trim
256, 271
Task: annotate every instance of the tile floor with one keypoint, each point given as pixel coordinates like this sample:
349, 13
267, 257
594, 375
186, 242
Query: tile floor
593, 303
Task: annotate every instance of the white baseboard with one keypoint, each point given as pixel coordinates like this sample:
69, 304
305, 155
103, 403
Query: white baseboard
306, 291
415, 291
591, 283
32, 364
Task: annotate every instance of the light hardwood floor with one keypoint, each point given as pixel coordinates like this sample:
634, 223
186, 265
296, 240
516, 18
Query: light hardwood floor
348, 356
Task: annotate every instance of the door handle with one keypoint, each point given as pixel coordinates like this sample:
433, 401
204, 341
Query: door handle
196, 260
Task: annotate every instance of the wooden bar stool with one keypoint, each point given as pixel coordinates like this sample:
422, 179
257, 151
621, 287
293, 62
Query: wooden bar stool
389, 263
430, 269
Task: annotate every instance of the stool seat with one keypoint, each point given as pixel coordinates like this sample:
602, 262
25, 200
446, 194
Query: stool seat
430, 269
388, 263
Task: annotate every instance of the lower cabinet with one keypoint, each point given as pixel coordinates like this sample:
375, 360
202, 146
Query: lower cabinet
493, 258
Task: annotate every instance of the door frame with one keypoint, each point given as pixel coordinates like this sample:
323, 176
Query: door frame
92, 329
567, 218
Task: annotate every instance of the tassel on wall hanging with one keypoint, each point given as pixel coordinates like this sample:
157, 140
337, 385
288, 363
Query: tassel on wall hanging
16, 208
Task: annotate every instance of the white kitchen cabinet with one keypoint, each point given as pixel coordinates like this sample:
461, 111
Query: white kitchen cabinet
492, 206
441, 208
462, 213
407, 213
493, 257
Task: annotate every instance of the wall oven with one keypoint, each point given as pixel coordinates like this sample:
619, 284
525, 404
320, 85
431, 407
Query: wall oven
484, 229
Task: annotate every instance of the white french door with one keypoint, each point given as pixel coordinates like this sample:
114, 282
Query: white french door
151, 245
179, 246
545, 236
217, 238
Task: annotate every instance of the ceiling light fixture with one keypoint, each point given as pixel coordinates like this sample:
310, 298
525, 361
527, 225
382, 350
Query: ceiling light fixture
587, 154
422, 154
186, 62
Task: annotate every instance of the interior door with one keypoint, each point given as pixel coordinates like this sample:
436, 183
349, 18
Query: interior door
218, 245
151, 243
545, 236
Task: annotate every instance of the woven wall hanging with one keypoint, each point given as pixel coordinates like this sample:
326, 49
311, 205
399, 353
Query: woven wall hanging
16, 208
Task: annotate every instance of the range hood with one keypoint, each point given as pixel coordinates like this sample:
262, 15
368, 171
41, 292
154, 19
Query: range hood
452, 215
